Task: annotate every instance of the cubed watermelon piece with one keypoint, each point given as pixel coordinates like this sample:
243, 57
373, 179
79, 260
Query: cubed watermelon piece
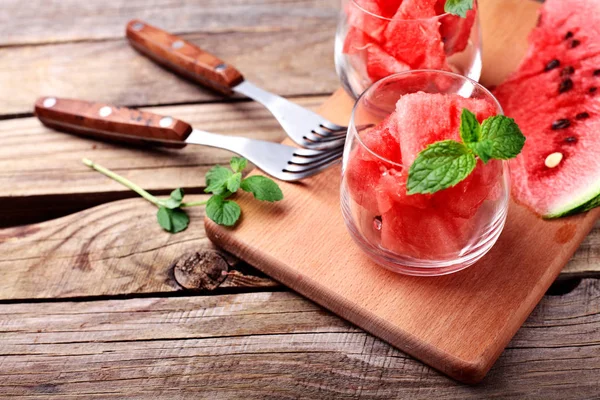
415, 9
388, 7
464, 199
425, 118
417, 43
382, 140
392, 191
362, 178
456, 31
423, 234
380, 64
364, 169
369, 22
356, 41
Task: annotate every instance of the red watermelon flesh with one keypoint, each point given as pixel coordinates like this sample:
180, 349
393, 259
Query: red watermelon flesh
456, 31
364, 169
423, 234
370, 21
464, 199
415, 9
434, 226
553, 97
416, 42
380, 64
424, 118
391, 191
356, 41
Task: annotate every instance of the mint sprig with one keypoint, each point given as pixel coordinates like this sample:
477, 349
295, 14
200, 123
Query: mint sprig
445, 163
458, 7
220, 181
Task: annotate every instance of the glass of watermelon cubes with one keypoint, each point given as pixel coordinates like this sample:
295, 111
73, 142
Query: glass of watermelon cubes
377, 38
419, 234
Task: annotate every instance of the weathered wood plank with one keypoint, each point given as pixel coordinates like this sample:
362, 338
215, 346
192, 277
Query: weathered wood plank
101, 251
283, 61
273, 345
49, 21
586, 261
42, 177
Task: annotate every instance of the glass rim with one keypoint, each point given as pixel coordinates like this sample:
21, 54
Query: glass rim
352, 126
398, 19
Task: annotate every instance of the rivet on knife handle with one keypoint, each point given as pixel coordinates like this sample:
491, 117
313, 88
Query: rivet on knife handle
182, 57
111, 122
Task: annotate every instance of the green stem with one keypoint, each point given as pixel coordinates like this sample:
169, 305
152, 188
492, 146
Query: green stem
122, 181
194, 203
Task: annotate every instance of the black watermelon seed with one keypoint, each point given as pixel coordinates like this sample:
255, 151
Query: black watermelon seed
571, 139
575, 43
566, 71
561, 124
551, 65
593, 89
565, 85
582, 115
569, 35
597, 72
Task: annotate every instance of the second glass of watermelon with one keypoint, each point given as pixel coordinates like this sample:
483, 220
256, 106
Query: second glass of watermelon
419, 234
377, 38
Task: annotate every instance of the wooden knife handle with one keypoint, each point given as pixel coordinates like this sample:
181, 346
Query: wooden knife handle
182, 57
111, 122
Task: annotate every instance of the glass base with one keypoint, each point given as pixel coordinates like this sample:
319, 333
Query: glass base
419, 267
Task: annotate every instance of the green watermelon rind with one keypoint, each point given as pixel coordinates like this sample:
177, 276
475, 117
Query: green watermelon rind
581, 204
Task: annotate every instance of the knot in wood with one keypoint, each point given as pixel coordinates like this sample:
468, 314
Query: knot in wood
203, 270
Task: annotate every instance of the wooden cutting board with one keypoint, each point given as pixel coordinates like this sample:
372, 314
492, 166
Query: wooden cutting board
459, 323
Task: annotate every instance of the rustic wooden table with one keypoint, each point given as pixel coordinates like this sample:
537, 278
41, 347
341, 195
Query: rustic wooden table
97, 302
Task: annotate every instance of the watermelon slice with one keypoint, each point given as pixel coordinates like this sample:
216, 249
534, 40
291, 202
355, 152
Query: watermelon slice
553, 97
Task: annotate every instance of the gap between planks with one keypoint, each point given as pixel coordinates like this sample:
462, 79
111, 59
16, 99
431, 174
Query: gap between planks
99, 252
40, 182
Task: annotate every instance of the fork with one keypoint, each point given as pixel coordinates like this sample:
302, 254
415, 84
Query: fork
303, 126
105, 121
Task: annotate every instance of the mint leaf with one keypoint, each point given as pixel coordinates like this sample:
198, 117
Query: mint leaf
501, 139
238, 164
440, 166
470, 130
175, 200
172, 220
234, 181
216, 179
482, 149
458, 7
223, 212
262, 188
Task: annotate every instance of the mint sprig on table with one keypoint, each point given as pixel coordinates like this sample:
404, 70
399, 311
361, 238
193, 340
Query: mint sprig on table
458, 7
220, 181
445, 163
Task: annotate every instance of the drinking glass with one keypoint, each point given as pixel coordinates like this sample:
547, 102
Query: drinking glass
424, 235
370, 46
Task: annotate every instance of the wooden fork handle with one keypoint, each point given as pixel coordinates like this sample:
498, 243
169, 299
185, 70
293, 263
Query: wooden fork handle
105, 121
182, 57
